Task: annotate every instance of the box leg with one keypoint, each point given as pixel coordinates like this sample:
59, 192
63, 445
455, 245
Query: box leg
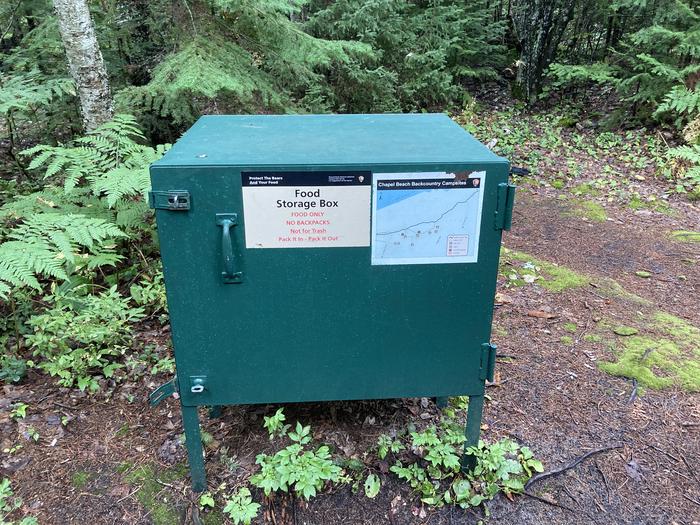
472, 430
441, 402
215, 411
195, 454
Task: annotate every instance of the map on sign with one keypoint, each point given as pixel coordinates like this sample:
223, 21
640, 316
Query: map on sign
426, 218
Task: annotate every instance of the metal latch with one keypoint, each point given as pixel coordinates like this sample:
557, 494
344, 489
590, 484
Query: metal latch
488, 361
197, 384
162, 392
504, 206
173, 200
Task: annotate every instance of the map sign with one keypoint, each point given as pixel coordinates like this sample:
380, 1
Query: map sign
426, 218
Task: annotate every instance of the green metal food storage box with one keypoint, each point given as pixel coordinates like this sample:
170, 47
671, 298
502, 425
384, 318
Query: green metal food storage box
328, 257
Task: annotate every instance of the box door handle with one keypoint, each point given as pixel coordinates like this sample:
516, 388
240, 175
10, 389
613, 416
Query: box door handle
227, 221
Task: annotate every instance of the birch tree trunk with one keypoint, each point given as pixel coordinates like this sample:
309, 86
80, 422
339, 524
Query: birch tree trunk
85, 61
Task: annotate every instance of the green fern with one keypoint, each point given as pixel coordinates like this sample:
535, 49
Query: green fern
687, 164
681, 100
25, 92
109, 161
53, 245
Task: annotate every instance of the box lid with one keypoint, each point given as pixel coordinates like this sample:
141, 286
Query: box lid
265, 141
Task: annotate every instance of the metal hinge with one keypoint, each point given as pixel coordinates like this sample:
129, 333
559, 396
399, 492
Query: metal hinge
504, 205
173, 200
488, 361
163, 391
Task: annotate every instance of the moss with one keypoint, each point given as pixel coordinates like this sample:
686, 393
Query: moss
585, 188
553, 277
162, 509
670, 356
80, 479
570, 327
611, 288
625, 330
592, 338
567, 340
558, 184
685, 236
591, 211
637, 203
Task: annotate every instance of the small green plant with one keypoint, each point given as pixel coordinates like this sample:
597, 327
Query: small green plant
12, 369
306, 471
149, 292
206, 500
241, 508
372, 486
19, 411
385, 444
150, 361
32, 433
9, 503
275, 424
433, 468
503, 466
79, 339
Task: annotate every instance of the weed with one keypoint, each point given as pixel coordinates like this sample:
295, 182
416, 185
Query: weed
12, 369
434, 470
241, 508
275, 424
80, 338
306, 471
19, 411
10, 503
386, 444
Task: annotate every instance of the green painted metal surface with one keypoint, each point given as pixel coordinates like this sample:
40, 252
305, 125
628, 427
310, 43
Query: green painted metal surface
317, 324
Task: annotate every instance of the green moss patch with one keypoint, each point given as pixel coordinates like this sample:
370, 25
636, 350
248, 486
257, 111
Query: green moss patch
670, 356
585, 188
570, 327
685, 236
80, 479
153, 495
526, 269
592, 211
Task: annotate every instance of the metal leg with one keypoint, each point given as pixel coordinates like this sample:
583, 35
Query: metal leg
476, 406
442, 402
193, 441
215, 411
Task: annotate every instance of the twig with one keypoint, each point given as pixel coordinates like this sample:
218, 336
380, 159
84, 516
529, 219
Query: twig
548, 502
571, 465
690, 469
691, 499
12, 20
633, 395
664, 452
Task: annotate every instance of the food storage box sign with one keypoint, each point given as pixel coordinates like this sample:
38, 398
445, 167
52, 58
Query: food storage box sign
415, 218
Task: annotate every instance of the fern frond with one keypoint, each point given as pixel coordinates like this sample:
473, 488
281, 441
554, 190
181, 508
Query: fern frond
681, 100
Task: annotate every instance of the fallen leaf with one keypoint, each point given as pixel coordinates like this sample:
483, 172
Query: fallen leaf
540, 314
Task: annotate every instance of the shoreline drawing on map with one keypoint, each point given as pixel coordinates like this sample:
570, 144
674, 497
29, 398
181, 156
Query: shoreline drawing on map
426, 218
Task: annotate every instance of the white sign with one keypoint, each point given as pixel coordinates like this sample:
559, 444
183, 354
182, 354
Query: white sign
306, 209
426, 218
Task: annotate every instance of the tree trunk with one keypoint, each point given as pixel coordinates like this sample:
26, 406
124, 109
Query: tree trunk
539, 26
85, 61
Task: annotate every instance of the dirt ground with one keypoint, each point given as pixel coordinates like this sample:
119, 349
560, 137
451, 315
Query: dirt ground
118, 461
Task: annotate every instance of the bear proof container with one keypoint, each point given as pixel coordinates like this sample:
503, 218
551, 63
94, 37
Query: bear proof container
328, 257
